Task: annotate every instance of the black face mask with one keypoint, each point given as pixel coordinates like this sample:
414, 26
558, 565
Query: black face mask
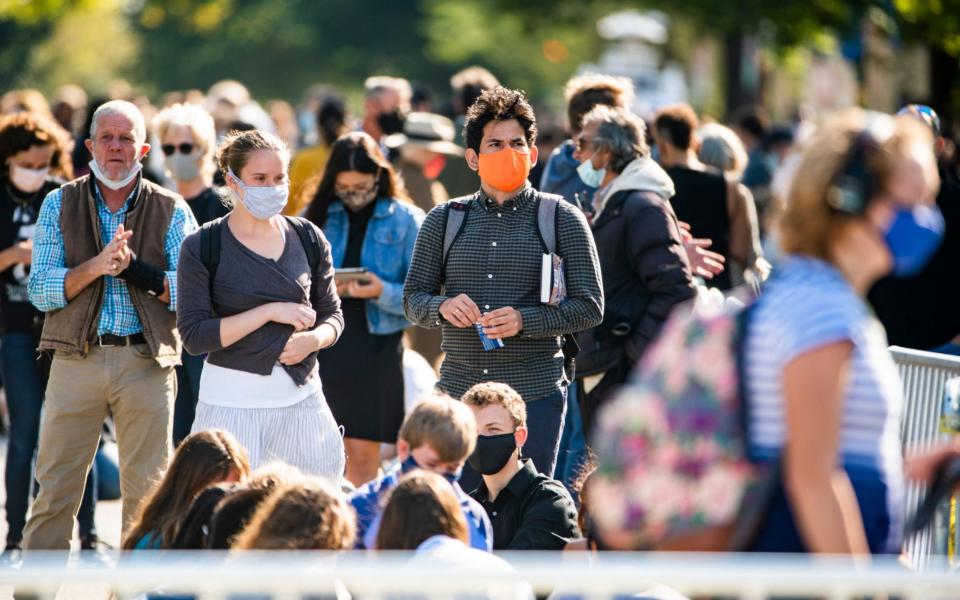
390, 122
492, 453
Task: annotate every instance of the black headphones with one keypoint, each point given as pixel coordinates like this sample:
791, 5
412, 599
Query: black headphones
854, 186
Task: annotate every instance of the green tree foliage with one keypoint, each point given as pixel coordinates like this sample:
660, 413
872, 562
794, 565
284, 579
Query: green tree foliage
535, 46
936, 22
279, 47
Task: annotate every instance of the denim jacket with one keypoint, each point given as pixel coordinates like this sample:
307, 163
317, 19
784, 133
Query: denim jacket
387, 248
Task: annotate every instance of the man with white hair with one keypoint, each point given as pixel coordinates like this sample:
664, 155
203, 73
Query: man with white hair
386, 104
104, 271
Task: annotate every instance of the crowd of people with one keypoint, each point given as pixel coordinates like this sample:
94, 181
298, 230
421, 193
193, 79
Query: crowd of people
400, 331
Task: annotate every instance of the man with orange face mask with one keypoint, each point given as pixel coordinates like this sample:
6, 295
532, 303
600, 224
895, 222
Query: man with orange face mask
482, 277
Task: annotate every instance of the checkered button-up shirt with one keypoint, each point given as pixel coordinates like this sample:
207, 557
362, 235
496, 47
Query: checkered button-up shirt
48, 273
496, 261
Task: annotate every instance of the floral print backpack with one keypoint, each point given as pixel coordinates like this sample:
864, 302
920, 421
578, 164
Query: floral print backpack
673, 469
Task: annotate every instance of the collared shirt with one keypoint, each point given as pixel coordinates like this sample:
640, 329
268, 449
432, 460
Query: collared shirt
496, 261
368, 502
118, 316
534, 512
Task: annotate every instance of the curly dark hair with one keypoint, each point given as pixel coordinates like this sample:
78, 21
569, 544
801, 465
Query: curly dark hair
499, 104
21, 131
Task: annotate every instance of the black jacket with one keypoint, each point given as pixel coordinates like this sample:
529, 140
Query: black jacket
921, 311
645, 274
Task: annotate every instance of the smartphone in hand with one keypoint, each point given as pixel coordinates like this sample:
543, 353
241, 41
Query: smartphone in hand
359, 274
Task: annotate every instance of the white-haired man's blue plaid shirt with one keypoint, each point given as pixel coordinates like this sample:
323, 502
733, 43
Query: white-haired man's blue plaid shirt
48, 272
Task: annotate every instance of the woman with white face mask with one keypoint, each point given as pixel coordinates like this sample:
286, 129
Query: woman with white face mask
371, 224
261, 310
188, 139
34, 153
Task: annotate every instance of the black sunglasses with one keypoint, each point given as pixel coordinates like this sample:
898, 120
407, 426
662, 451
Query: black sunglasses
169, 149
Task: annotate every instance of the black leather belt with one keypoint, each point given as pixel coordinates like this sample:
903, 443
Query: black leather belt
108, 339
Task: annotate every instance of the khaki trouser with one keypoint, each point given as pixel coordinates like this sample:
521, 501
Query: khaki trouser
125, 383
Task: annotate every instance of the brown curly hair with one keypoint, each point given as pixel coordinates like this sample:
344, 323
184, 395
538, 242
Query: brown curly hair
487, 393
302, 516
499, 104
24, 130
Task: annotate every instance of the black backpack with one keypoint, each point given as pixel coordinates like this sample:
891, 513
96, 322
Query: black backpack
210, 239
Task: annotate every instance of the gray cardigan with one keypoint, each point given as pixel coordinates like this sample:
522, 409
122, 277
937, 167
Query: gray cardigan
246, 280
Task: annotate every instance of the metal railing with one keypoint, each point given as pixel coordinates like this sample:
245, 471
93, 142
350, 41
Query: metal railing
283, 576
923, 375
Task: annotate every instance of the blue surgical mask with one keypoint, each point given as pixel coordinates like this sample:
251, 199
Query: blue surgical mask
410, 464
589, 174
913, 237
262, 202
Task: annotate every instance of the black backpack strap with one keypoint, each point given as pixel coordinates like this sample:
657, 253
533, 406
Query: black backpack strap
210, 234
309, 239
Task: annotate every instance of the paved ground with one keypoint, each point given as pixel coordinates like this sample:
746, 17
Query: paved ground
108, 512
108, 527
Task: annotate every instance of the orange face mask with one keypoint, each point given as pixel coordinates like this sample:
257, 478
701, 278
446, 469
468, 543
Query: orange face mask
505, 170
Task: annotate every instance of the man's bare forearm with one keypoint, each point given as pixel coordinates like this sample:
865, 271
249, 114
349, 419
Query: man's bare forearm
79, 278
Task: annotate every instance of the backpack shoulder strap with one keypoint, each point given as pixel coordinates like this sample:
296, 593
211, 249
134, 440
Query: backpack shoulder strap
547, 220
308, 237
210, 234
457, 210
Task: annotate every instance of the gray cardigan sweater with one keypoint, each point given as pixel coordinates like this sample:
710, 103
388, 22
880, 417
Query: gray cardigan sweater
246, 280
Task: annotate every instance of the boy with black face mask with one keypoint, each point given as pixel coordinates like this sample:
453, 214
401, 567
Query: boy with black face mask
529, 510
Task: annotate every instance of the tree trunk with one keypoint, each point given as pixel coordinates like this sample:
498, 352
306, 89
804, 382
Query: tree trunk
944, 78
733, 69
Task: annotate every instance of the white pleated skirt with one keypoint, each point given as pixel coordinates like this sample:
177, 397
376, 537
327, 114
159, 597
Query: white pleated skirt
304, 435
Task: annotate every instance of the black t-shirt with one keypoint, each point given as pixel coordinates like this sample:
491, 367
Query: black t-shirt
208, 205
18, 219
701, 202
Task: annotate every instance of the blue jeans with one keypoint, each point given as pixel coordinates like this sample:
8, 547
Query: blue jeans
188, 391
25, 383
951, 349
545, 419
573, 444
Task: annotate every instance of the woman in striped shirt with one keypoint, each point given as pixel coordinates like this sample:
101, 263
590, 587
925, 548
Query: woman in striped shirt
823, 392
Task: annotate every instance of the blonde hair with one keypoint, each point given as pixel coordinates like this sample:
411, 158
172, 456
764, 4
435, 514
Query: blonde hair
308, 515
810, 225
445, 425
202, 129
487, 394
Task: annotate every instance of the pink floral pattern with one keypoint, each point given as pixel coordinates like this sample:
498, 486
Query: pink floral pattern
670, 446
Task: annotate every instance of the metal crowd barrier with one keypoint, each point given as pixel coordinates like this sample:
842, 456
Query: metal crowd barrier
923, 375
567, 576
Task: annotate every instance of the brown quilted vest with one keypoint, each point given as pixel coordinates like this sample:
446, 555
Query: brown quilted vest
73, 328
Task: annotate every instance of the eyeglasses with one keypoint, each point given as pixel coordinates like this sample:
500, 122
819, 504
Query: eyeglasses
582, 143
185, 148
